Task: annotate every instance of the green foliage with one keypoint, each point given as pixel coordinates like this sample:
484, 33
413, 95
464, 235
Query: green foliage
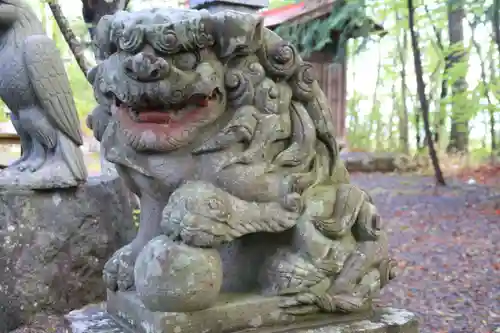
346, 17
82, 91
279, 3
371, 122
136, 213
3, 112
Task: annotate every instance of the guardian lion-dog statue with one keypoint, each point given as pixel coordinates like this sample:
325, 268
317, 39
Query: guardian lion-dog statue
222, 131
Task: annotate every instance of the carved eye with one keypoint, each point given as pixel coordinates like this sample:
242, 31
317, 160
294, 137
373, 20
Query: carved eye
215, 204
218, 209
186, 61
241, 49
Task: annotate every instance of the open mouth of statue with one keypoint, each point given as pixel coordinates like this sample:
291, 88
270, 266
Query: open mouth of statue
171, 114
154, 126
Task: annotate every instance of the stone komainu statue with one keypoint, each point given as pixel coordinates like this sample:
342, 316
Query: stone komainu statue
34, 85
221, 129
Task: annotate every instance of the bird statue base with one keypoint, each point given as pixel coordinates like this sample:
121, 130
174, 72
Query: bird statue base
52, 175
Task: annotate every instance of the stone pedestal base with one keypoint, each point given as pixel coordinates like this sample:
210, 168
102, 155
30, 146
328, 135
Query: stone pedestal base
53, 246
125, 314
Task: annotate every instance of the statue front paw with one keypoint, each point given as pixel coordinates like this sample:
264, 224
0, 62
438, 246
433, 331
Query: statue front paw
118, 273
199, 214
198, 230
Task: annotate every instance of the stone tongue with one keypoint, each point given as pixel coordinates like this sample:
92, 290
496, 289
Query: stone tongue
158, 117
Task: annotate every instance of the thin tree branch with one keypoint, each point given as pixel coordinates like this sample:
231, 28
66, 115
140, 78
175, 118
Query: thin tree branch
74, 44
424, 104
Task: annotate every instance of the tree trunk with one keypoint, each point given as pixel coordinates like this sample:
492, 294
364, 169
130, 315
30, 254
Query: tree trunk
493, 82
352, 105
424, 105
94, 10
442, 105
459, 132
495, 24
376, 104
75, 46
441, 114
404, 145
486, 89
418, 137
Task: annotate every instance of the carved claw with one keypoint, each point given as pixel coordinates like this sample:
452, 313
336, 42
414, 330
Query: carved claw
307, 303
388, 271
32, 165
292, 306
118, 273
22, 166
273, 218
36, 163
288, 274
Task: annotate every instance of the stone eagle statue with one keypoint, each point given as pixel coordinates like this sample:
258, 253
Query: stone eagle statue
34, 86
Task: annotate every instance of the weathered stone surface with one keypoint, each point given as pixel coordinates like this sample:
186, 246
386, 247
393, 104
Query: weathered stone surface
166, 271
95, 319
54, 244
45, 323
376, 162
231, 313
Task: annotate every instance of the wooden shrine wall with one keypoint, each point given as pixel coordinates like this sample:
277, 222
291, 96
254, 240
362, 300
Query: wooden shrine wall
332, 79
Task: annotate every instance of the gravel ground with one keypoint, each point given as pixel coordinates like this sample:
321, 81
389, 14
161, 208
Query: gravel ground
447, 243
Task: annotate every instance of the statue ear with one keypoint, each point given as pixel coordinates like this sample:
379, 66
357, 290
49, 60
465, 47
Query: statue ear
258, 35
237, 33
102, 37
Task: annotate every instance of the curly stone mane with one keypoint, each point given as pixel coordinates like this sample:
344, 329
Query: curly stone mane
280, 112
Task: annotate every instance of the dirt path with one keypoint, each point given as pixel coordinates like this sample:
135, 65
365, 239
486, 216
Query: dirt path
447, 242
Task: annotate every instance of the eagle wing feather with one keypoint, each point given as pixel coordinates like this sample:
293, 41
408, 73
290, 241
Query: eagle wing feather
51, 85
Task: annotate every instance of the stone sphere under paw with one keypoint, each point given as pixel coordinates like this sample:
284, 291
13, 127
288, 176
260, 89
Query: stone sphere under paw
174, 277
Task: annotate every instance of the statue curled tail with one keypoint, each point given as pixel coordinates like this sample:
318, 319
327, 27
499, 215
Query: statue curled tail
72, 155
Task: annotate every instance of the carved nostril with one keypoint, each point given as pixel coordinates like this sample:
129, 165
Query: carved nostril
129, 65
155, 73
146, 67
